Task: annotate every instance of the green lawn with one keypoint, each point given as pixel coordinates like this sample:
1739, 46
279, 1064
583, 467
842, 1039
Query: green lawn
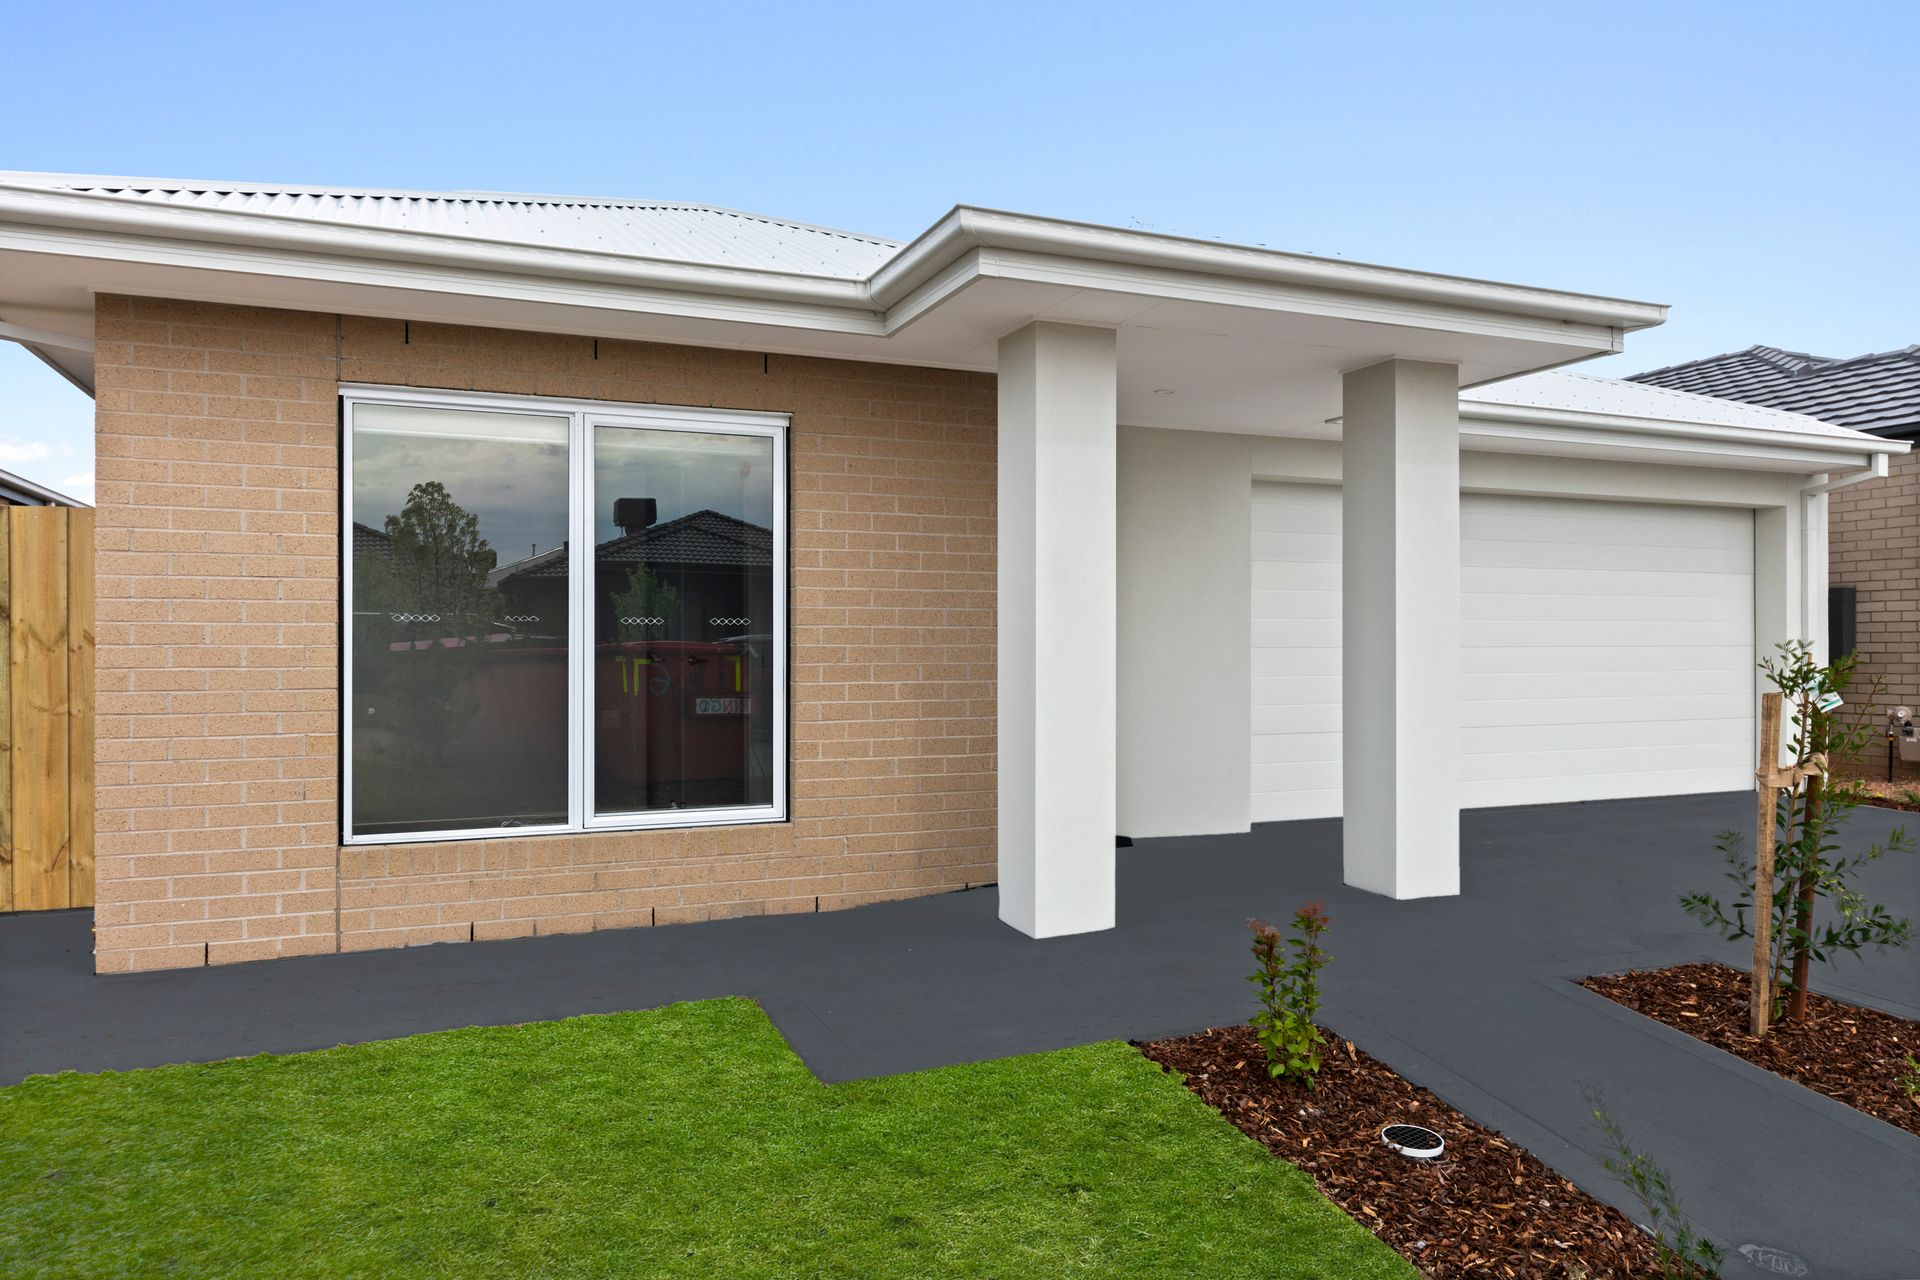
687, 1141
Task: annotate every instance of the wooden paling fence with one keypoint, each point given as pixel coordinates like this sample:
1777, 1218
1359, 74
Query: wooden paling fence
46, 708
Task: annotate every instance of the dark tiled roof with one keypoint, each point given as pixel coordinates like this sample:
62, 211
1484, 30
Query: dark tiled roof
1878, 393
367, 539
701, 538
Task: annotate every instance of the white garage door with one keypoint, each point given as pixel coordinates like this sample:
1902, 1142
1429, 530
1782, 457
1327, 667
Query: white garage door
1606, 651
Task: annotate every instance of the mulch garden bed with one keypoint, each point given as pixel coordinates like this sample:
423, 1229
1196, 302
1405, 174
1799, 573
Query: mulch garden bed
1853, 1055
1902, 793
1483, 1208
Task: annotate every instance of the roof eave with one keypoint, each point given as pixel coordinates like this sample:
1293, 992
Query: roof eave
968, 228
964, 229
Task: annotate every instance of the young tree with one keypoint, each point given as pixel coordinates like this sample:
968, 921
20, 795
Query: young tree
646, 598
439, 559
427, 587
1808, 863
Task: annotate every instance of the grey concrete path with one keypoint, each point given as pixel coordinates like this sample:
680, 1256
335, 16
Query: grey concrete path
1470, 996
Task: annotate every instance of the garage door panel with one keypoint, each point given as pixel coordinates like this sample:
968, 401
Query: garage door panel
1291, 606
1658, 527
1636, 711
1678, 780
1297, 575
1651, 638
1301, 748
1308, 633
1594, 736
1720, 663
1530, 689
1488, 606
1545, 580
1296, 806
1315, 547
1606, 650
1311, 719
1492, 778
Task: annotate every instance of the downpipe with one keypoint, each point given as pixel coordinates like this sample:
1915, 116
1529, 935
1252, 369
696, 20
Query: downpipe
1877, 470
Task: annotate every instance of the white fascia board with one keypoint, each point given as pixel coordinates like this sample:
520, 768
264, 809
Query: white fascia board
1166, 284
967, 227
418, 274
1698, 444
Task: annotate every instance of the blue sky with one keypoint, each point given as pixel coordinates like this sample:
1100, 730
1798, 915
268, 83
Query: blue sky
1749, 163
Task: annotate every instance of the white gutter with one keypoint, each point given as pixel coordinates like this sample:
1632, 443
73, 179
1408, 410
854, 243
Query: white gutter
1878, 471
1534, 416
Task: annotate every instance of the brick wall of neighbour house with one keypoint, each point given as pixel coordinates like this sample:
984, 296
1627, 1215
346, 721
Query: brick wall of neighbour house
1873, 536
219, 579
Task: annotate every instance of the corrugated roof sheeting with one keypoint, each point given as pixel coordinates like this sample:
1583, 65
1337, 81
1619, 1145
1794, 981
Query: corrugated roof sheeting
1560, 389
1875, 393
669, 232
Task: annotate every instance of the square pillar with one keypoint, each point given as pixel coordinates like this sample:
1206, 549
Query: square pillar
1057, 627
1400, 628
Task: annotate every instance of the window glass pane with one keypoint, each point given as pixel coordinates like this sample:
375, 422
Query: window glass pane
684, 648
459, 628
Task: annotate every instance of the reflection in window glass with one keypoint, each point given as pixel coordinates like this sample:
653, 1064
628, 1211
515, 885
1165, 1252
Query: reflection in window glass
683, 667
459, 697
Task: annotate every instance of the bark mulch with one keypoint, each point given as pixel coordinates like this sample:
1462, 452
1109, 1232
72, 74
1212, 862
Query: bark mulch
1853, 1055
1902, 793
1484, 1208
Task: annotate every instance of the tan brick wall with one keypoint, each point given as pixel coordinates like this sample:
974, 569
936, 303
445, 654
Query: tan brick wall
1873, 535
219, 667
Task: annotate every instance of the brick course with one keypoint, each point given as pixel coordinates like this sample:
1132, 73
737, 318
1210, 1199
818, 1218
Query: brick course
1873, 537
219, 580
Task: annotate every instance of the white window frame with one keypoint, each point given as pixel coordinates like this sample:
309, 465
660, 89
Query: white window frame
582, 417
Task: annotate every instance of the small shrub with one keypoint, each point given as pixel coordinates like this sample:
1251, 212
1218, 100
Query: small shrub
1288, 979
1909, 1078
1810, 870
1685, 1254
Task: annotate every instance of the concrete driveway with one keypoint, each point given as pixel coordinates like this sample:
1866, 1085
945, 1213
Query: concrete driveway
1470, 996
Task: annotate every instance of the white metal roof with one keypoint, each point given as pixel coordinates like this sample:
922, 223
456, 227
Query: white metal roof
1560, 391
635, 228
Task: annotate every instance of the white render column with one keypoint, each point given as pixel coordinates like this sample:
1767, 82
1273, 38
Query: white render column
1400, 628
1058, 446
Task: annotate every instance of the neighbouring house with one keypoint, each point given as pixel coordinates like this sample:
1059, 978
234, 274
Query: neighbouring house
917, 565
1873, 531
18, 491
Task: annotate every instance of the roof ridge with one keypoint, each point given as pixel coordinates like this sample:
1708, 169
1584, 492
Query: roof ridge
1794, 362
1758, 351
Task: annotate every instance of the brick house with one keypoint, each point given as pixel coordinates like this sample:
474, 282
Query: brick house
1873, 531
969, 553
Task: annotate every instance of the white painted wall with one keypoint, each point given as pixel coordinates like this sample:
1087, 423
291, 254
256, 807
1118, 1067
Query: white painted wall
1058, 459
1184, 614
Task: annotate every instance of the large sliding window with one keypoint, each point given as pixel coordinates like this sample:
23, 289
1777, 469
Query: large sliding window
497, 683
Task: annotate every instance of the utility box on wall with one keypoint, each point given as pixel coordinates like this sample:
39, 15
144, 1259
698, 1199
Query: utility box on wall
1840, 622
